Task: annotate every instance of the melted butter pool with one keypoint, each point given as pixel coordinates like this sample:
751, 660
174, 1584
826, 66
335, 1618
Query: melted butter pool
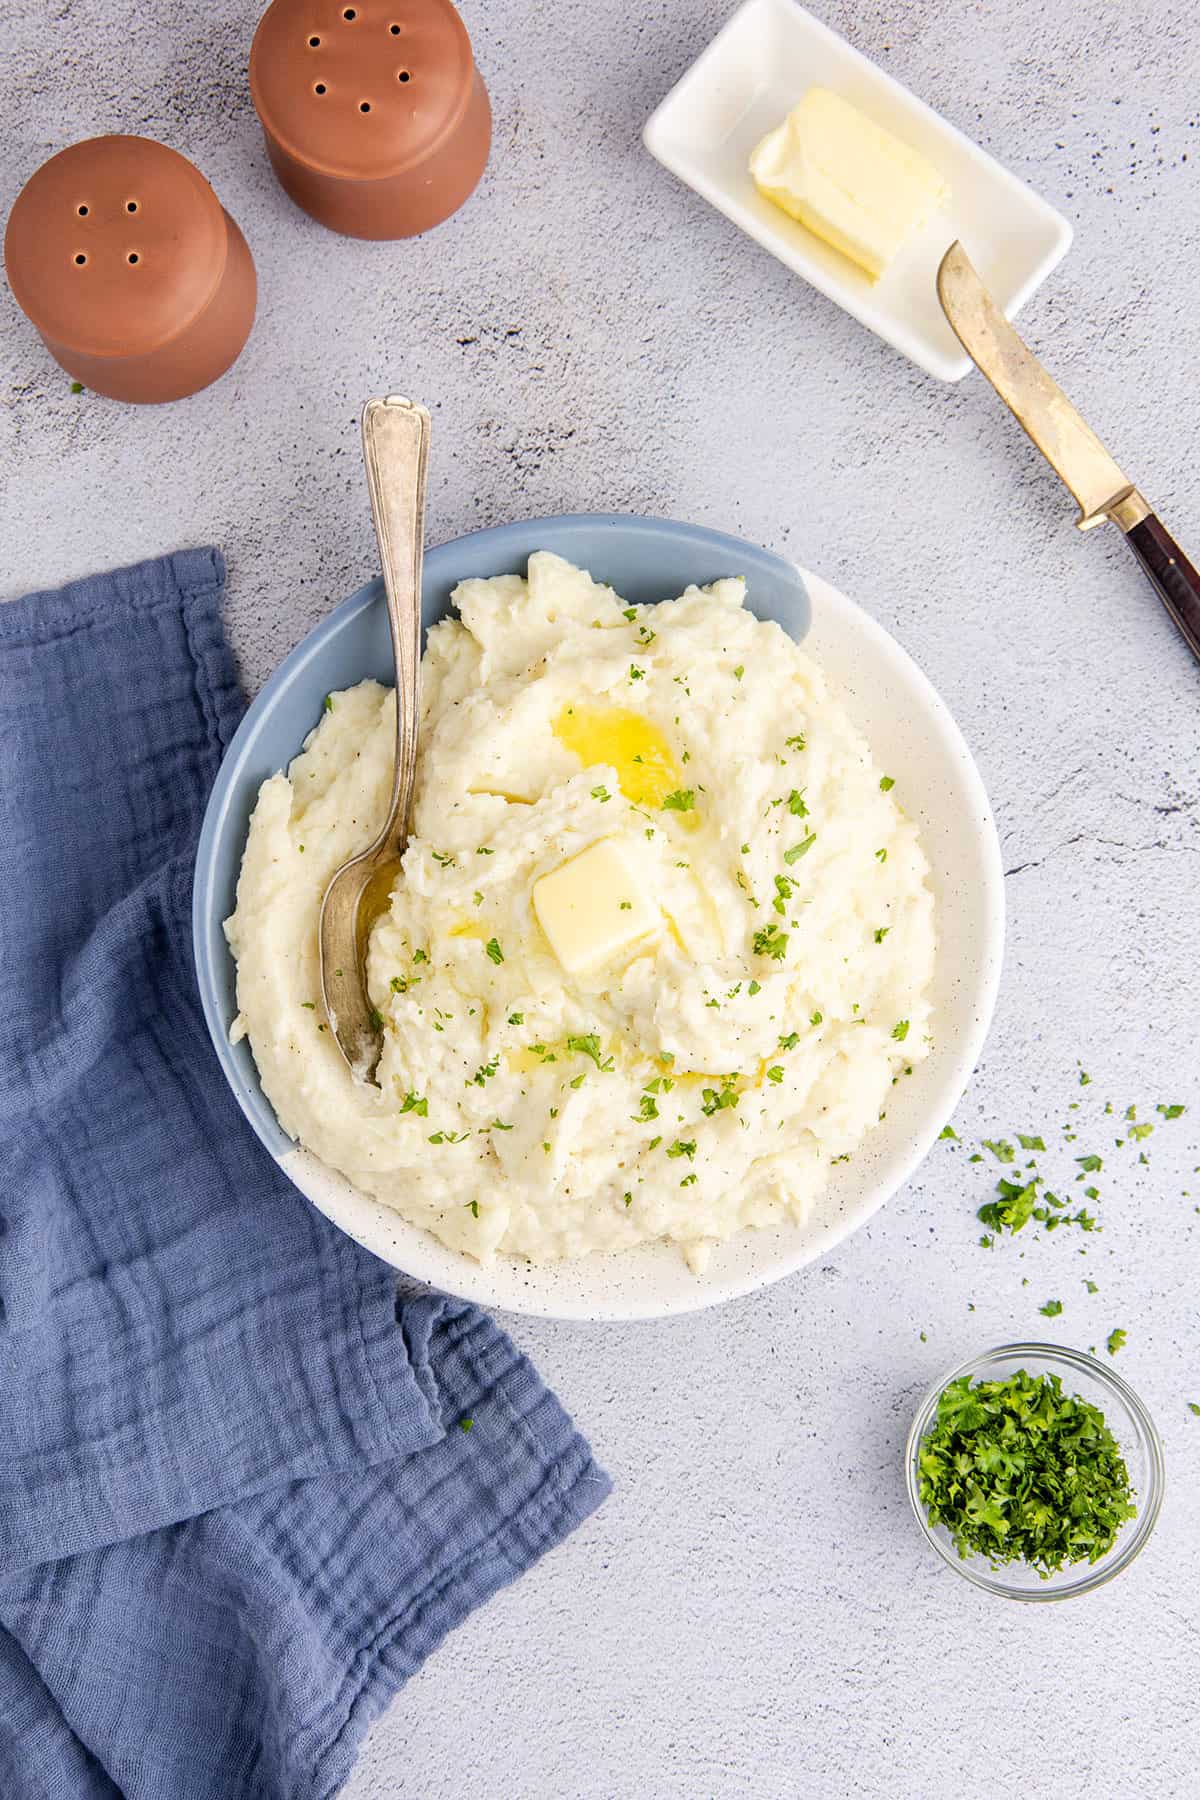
624, 741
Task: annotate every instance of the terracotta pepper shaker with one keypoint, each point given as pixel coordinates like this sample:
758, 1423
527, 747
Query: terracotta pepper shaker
139, 282
376, 120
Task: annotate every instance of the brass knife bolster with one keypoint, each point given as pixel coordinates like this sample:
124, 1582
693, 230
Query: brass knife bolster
1126, 511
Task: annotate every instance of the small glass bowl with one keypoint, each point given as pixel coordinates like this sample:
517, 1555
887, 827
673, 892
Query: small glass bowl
1131, 1426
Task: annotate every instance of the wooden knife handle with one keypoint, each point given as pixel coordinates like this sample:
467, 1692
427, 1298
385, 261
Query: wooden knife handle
1171, 576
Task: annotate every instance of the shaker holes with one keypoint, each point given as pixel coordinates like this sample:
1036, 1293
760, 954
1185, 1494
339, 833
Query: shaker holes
131, 206
364, 106
349, 13
320, 88
314, 43
83, 212
80, 259
404, 75
395, 30
133, 256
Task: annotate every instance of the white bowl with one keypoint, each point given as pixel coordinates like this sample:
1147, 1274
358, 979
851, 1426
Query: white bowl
912, 735
746, 83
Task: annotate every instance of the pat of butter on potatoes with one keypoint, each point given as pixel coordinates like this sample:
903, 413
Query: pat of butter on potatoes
847, 179
594, 906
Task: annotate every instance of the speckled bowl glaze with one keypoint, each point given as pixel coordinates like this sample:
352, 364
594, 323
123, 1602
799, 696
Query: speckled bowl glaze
912, 735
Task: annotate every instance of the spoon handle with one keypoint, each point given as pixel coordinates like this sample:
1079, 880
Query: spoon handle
395, 440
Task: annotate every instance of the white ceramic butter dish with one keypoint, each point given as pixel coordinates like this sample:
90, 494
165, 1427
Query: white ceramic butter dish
748, 80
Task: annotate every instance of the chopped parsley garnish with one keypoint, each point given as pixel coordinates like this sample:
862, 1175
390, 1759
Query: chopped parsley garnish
448, 1137
648, 1109
816, 1019
493, 950
416, 1103
1115, 1341
881, 856
886, 783
484, 1072
645, 636
498, 1125
1051, 1309
1001, 1149
309, 1005
784, 889
715, 1100
801, 849
628, 1198
739, 671
682, 800
1090, 1164
1030, 1143
589, 1045
790, 1041
328, 703
443, 857
799, 742
771, 942
795, 804
689, 1180
1171, 1112
516, 1018
683, 1147
1018, 1471
1014, 1208
482, 850
881, 932
601, 793
775, 1074
465, 1424
948, 1131
636, 674
473, 1208
900, 1030
630, 612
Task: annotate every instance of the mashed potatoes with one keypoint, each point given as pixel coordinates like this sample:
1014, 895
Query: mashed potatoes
703, 1074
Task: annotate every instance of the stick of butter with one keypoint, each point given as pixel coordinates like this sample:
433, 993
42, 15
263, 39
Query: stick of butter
594, 906
847, 179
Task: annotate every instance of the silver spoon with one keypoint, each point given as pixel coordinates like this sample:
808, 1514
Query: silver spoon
395, 440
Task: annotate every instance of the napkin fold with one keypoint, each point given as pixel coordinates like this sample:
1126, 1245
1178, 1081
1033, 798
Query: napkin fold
243, 1491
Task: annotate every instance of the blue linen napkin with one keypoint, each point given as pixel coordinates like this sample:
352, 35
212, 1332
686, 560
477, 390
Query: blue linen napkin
243, 1493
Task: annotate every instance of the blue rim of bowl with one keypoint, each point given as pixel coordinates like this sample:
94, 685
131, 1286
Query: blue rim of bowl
493, 550
1130, 1542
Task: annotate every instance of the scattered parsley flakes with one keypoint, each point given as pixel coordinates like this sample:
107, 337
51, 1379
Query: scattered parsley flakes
465, 1424
483, 1073
601, 793
1194, 1407
472, 1207
948, 1131
881, 932
1001, 1149
1090, 1164
645, 636
715, 1100
739, 671
771, 942
682, 800
1018, 1471
516, 1018
415, 1103
1115, 1341
1091, 1287
775, 1074
881, 856
493, 950
1013, 1209
886, 783
77, 387
1084, 1079
799, 742
1051, 1309
683, 1147
443, 857
589, 1045
790, 1041
801, 849
1171, 1112
900, 1030
628, 1198
796, 804
327, 703
309, 1005
420, 956
636, 674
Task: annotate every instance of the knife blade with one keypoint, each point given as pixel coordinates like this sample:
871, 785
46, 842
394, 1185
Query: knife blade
1100, 487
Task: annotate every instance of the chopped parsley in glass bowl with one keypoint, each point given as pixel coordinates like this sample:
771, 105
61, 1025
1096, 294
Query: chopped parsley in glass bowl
1035, 1471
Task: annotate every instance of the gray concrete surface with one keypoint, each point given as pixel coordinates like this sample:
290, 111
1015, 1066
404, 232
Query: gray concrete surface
753, 1612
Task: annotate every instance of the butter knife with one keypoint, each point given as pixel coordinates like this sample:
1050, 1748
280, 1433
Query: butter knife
1071, 448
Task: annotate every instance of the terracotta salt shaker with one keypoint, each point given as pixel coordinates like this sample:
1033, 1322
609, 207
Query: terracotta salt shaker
139, 282
376, 120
